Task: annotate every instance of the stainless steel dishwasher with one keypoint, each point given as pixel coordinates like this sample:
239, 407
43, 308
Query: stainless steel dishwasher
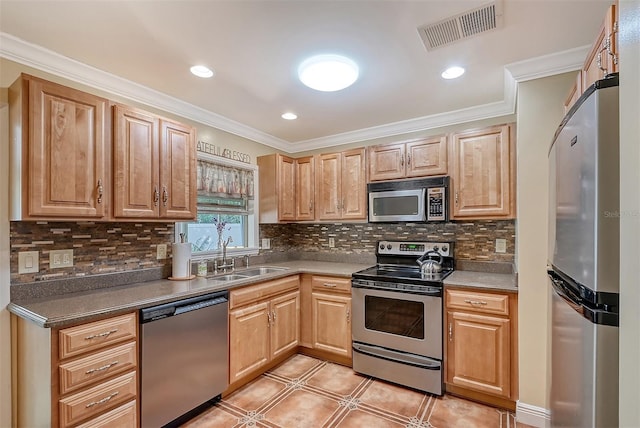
184, 356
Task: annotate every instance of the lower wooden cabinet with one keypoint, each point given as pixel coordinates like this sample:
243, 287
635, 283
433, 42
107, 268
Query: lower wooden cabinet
81, 376
480, 342
332, 323
264, 324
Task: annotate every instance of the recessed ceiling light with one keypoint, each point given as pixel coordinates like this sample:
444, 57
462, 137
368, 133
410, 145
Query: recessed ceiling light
328, 72
452, 72
289, 116
201, 71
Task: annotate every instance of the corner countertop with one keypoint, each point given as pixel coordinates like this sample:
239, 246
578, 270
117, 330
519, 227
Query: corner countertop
72, 308
483, 280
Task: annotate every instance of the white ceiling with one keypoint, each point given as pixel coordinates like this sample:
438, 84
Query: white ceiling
143, 50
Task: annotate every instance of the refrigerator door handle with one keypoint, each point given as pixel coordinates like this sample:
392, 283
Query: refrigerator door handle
569, 297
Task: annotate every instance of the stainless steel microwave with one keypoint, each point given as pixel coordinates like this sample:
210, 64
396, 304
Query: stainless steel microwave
419, 200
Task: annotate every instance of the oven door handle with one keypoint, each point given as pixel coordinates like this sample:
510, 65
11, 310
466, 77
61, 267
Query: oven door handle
397, 357
371, 285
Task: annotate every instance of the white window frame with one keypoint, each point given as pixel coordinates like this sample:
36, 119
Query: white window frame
253, 227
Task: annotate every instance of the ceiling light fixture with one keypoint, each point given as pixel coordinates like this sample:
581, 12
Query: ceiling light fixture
328, 73
202, 71
289, 116
452, 72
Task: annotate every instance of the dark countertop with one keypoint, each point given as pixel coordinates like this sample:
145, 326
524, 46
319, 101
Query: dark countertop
483, 280
72, 308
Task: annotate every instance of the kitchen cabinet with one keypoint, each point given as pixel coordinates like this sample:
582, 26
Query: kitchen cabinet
277, 188
417, 158
305, 192
483, 173
481, 341
264, 327
602, 58
84, 375
154, 167
331, 317
341, 189
59, 146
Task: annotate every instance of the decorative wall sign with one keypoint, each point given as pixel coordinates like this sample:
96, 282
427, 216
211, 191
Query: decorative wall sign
212, 149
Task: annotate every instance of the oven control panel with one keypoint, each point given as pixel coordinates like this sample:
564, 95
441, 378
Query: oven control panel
407, 248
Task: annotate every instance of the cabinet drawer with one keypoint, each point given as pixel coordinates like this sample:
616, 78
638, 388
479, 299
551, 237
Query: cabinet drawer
331, 283
96, 335
253, 293
83, 371
478, 302
92, 402
123, 416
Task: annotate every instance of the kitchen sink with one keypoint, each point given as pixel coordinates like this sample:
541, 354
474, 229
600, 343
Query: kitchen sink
229, 277
262, 270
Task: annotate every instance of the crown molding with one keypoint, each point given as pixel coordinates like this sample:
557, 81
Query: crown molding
31, 55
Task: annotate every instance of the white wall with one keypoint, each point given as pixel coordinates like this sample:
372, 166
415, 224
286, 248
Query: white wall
629, 42
5, 337
540, 109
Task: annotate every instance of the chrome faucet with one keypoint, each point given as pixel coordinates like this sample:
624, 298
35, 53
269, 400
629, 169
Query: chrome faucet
224, 264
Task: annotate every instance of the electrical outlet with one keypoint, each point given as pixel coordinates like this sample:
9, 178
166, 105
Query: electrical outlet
332, 242
501, 245
266, 243
60, 259
28, 262
161, 251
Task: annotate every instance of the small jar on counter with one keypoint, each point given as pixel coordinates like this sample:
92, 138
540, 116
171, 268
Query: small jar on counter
202, 268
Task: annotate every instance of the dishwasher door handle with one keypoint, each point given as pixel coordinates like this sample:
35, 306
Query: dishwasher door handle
159, 312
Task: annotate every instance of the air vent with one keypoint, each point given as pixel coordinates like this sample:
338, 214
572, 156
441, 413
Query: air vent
463, 26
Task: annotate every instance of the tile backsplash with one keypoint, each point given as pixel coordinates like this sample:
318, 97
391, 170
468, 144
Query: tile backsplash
98, 248
101, 248
474, 240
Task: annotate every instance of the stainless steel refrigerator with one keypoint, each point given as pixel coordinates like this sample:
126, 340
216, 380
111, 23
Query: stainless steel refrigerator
584, 212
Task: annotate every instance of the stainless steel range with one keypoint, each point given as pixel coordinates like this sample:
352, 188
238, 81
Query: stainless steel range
397, 314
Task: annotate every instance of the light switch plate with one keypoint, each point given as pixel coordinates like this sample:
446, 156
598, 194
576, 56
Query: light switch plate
60, 259
161, 251
28, 262
501, 245
332, 242
266, 243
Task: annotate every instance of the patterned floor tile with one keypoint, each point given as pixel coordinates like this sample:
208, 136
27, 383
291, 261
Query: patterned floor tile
394, 399
302, 409
453, 412
256, 393
295, 366
336, 378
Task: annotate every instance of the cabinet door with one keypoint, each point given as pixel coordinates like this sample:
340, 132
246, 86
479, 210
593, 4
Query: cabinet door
305, 188
332, 323
328, 185
427, 157
286, 188
483, 173
67, 152
602, 59
354, 185
248, 340
478, 353
136, 164
285, 323
387, 161
177, 171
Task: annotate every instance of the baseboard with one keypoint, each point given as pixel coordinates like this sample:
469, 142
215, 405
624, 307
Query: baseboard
532, 415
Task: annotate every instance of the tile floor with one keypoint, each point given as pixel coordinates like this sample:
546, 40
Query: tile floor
304, 392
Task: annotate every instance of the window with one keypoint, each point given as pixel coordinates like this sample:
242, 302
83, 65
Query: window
226, 209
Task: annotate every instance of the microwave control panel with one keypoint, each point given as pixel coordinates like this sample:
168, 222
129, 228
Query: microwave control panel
436, 204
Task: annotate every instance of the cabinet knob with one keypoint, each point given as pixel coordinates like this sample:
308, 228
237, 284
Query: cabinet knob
408, 160
348, 315
165, 196
456, 197
450, 332
156, 196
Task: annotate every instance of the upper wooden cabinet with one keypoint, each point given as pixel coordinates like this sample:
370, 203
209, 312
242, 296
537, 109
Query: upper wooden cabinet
59, 142
305, 193
154, 166
277, 188
341, 189
483, 173
417, 158
602, 59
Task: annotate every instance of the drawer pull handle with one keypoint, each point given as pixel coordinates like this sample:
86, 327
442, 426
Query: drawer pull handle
475, 302
103, 368
348, 315
450, 332
330, 285
105, 334
102, 401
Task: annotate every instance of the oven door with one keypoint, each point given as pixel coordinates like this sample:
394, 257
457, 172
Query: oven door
400, 321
